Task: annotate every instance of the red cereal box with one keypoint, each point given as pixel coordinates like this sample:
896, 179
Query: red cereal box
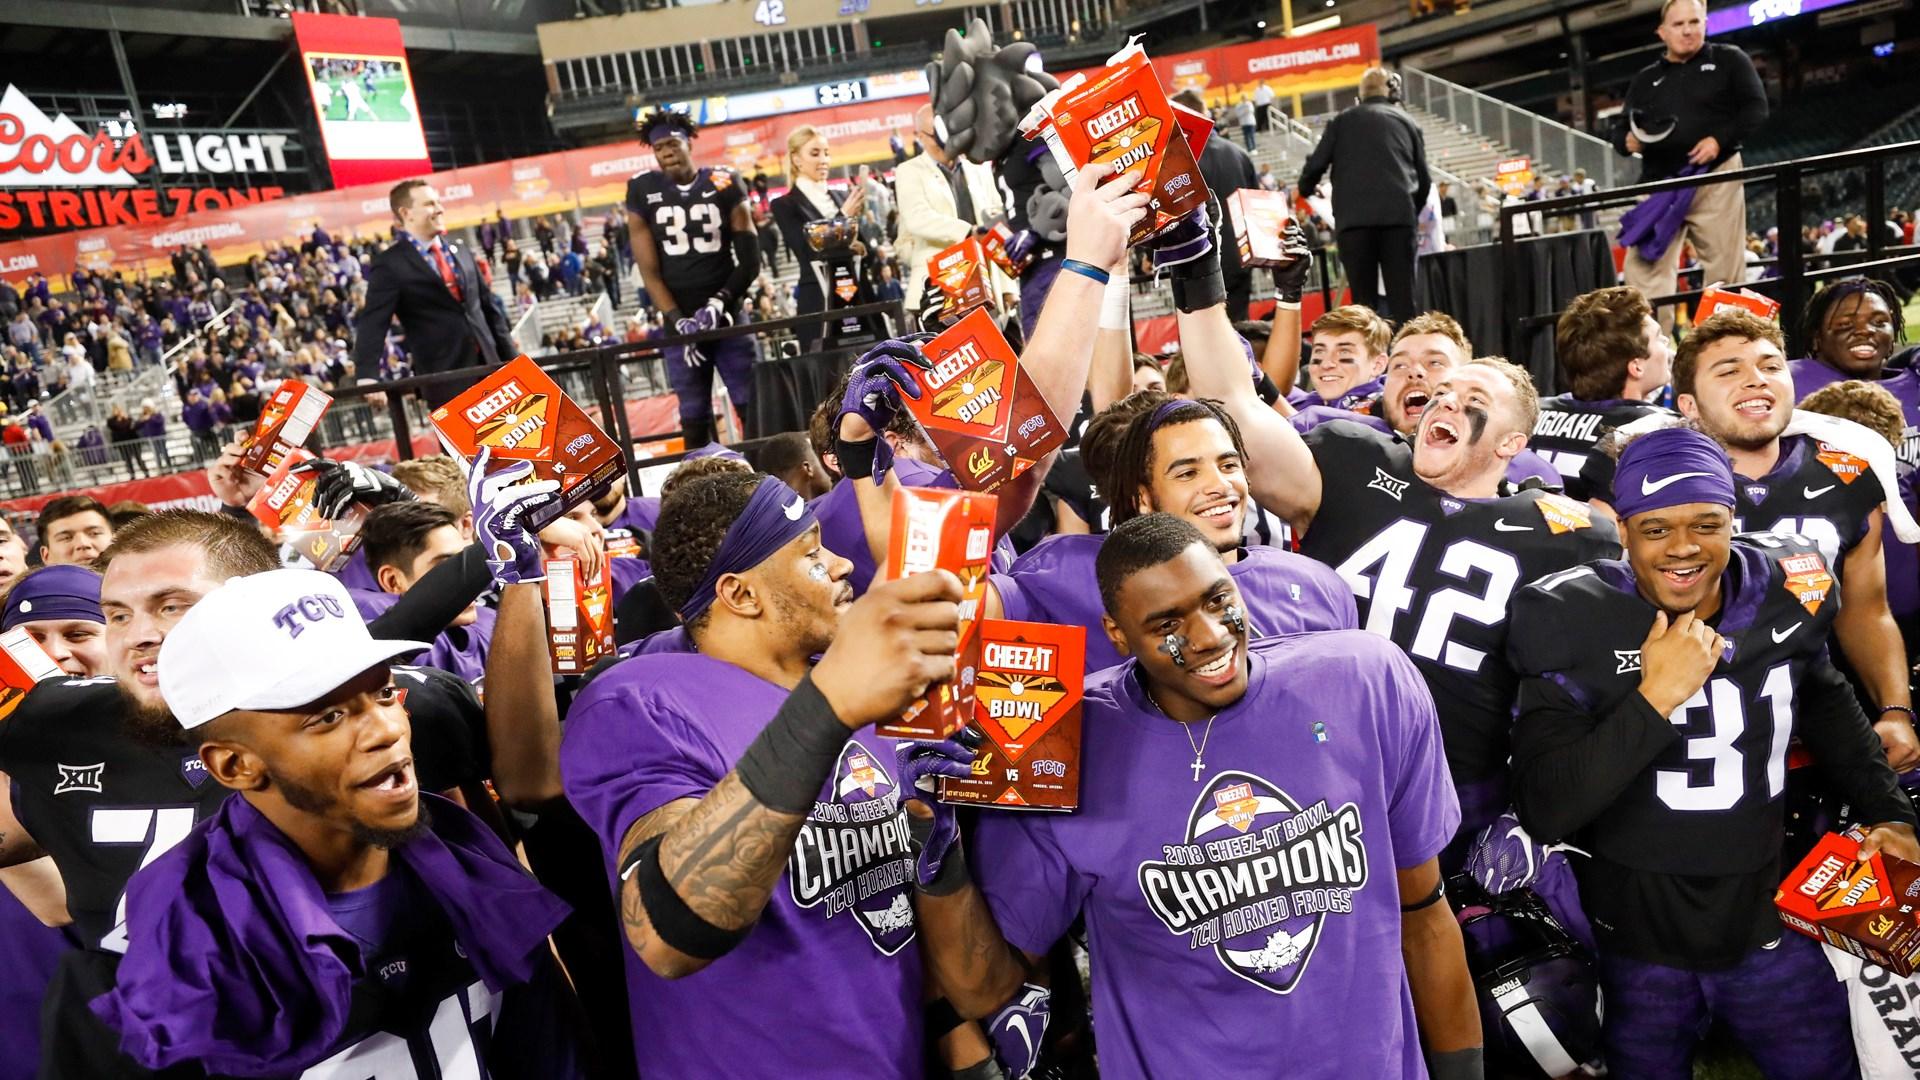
1720, 298
1120, 115
947, 530
983, 413
1258, 218
994, 244
521, 414
1869, 907
1026, 702
960, 273
285, 505
579, 616
623, 544
286, 419
22, 664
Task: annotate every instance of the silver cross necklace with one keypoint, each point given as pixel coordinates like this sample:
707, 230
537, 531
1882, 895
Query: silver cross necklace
1200, 748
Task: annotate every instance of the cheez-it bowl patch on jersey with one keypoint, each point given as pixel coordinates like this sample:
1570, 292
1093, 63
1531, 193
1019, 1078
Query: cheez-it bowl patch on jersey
1564, 515
1844, 465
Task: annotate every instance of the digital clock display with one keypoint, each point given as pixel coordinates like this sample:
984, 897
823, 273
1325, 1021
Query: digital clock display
842, 93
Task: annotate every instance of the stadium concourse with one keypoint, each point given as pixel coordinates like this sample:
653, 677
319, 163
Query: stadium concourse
712, 540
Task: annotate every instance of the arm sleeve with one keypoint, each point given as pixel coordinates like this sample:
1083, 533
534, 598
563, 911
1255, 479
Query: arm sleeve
1743, 82
1318, 161
370, 326
1569, 763
1617, 131
437, 599
1031, 888
1846, 748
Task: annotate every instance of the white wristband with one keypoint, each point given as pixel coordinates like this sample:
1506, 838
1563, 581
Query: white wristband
1114, 313
1286, 305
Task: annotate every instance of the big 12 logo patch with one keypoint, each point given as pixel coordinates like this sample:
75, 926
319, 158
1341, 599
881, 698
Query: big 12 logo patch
1257, 876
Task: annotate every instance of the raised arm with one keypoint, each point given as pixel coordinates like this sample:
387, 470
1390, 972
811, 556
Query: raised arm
1281, 361
695, 874
1111, 376
1059, 353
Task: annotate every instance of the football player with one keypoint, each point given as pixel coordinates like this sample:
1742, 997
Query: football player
103, 783
749, 818
1731, 377
1266, 823
398, 926
1656, 737
1425, 531
693, 240
1348, 357
1615, 357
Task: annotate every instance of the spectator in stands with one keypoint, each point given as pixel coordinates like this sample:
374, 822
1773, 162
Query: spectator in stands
92, 446
1268, 181
73, 531
887, 286
1227, 169
1380, 182
1263, 98
1243, 115
125, 438
197, 415
451, 316
1855, 236
941, 198
1689, 111
153, 426
38, 423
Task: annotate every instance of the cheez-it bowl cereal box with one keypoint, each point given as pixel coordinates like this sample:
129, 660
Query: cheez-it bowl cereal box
520, 414
1868, 906
944, 529
1026, 702
982, 411
1119, 115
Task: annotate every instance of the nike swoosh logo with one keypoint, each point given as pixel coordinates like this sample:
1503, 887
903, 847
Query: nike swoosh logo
1650, 486
1659, 80
1500, 525
1782, 635
1020, 1023
795, 509
1814, 493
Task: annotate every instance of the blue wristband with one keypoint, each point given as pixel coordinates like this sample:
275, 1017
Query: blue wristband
1085, 269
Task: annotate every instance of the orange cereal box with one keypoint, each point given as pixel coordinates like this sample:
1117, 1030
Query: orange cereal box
1719, 298
1258, 218
960, 273
284, 504
286, 419
22, 664
983, 413
1120, 115
521, 414
944, 529
1869, 906
579, 616
1026, 702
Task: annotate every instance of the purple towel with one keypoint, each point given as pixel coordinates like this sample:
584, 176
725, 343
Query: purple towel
236, 964
1651, 227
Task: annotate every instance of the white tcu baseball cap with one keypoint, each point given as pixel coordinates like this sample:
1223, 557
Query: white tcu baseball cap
276, 640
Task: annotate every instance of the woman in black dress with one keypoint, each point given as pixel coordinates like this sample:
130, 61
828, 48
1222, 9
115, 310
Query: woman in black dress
809, 158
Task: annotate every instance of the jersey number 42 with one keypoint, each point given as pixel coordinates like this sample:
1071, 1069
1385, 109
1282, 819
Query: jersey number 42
1378, 570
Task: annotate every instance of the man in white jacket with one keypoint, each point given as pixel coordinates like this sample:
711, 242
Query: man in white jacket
933, 214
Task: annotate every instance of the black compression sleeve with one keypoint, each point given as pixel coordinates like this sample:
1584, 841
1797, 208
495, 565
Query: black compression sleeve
793, 755
1571, 763
746, 265
436, 599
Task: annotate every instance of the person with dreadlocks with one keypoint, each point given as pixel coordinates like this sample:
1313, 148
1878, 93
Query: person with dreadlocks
1849, 330
693, 239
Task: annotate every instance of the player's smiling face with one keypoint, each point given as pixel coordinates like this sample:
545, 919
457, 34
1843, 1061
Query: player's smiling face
1180, 609
1678, 554
1194, 471
1340, 362
143, 594
1463, 431
1742, 393
1857, 335
1416, 365
343, 764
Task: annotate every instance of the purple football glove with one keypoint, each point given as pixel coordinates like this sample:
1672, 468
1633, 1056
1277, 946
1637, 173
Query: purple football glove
1017, 1028
937, 835
500, 502
874, 387
1291, 279
1190, 238
1020, 247
713, 316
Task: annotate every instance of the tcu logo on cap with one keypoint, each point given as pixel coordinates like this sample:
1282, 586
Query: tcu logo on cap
308, 609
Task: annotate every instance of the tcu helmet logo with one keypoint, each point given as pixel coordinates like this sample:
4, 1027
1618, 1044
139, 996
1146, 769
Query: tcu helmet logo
1257, 876
308, 609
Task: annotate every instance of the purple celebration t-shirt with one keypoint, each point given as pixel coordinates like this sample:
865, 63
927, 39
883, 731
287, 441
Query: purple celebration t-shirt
1252, 915
828, 983
1055, 582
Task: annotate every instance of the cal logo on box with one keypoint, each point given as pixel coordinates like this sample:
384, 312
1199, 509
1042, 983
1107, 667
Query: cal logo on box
284, 504
1864, 906
1259, 217
983, 413
1120, 115
579, 616
946, 530
520, 413
1026, 702
1718, 298
290, 414
960, 273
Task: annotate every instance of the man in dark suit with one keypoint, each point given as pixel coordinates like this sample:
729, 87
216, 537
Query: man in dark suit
446, 306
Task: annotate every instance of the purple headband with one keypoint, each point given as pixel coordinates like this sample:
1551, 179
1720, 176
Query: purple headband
1165, 412
1671, 467
660, 129
773, 517
54, 592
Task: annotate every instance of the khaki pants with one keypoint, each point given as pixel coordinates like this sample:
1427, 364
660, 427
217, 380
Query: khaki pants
1717, 228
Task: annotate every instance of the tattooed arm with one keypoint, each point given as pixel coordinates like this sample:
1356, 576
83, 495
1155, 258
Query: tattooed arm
973, 963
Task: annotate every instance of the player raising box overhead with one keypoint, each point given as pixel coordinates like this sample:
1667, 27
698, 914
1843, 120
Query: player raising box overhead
693, 238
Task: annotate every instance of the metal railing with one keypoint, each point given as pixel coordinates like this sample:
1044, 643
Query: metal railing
1526, 132
1795, 274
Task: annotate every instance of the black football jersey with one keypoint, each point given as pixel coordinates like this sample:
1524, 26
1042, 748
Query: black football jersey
1566, 433
1434, 574
692, 230
1815, 491
1686, 852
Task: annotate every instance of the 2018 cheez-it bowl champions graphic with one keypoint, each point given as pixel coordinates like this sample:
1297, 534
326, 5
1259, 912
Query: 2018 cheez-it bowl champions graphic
520, 414
1257, 876
982, 411
852, 854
